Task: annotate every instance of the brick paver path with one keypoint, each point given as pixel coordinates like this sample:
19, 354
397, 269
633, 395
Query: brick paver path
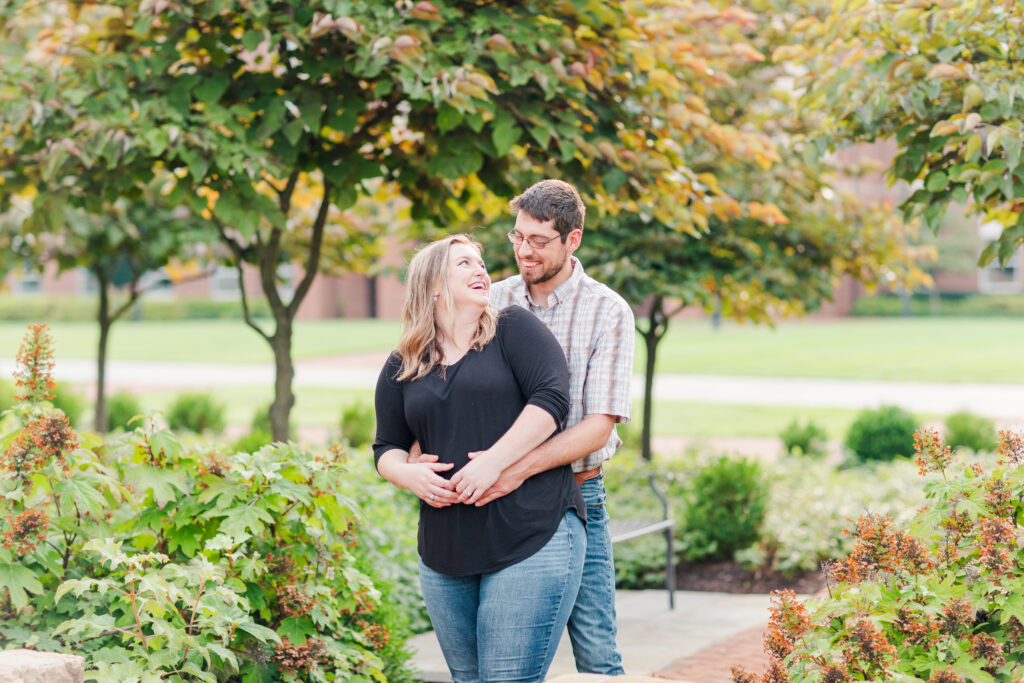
711, 665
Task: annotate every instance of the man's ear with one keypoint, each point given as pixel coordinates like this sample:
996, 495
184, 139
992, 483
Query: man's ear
572, 242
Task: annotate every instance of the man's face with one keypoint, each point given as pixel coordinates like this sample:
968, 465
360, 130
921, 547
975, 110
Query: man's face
539, 265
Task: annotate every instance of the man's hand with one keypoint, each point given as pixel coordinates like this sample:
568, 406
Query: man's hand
510, 480
416, 455
476, 476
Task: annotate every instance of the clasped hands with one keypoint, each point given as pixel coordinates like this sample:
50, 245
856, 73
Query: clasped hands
479, 482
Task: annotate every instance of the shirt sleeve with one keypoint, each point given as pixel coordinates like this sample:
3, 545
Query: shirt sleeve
537, 361
392, 429
606, 389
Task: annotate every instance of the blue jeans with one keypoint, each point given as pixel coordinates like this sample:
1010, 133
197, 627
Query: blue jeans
592, 624
505, 626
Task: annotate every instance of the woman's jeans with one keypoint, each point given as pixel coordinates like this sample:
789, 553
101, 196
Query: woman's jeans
505, 626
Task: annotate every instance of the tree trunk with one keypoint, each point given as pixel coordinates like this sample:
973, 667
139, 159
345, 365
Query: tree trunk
934, 300
284, 375
105, 321
656, 328
905, 310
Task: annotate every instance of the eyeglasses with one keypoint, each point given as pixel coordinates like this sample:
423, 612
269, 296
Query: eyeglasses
517, 239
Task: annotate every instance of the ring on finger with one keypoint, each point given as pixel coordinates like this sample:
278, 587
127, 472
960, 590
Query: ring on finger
432, 497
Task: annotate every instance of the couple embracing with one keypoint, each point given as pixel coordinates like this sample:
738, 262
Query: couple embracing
497, 410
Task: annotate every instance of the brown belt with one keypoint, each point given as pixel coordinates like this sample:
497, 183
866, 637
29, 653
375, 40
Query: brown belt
586, 476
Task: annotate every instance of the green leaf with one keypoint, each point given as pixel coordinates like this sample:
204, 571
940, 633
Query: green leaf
933, 215
162, 483
293, 131
296, 629
541, 135
937, 182
19, 580
448, 117
1011, 145
245, 517
505, 133
260, 633
211, 88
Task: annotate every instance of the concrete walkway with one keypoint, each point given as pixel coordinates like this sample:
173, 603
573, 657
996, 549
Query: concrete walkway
1004, 401
651, 637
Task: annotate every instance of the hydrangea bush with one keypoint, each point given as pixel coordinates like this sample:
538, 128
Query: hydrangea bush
161, 562
938, 599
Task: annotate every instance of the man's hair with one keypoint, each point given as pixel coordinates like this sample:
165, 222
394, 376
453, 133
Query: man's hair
552, 199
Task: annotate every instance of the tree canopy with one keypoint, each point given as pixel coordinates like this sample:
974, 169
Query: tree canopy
941, 79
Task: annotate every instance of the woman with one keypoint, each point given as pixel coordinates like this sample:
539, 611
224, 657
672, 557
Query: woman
481, 389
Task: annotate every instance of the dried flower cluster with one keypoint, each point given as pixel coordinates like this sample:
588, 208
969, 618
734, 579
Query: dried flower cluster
292, 602
945, 676
931, 454
880, 547
997, 537
376, 635
25, 530
294, 658
34, 373
869, 646
1011, 448
43, 440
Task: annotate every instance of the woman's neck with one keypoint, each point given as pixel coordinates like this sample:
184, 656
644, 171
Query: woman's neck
458, 334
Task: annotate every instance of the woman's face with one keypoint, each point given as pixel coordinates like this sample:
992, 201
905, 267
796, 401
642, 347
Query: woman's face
468, 280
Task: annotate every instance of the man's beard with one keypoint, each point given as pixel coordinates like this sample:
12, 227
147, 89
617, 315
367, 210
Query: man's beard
544, 275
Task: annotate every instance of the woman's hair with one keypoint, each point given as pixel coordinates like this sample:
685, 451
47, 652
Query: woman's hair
420, 343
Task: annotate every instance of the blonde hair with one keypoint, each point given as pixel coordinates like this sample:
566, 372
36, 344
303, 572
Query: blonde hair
420, 343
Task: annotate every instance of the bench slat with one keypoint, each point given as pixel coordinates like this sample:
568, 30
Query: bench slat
626, 529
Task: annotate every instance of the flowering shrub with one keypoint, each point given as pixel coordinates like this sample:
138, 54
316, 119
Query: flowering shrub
157, 561
939, 600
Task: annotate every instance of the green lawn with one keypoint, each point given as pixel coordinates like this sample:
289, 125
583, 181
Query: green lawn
924, 349
220, 341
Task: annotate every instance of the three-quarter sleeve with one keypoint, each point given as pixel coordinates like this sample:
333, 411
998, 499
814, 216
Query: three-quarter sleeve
392, 428
537, 361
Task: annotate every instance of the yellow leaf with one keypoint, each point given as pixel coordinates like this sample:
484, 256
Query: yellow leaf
970, 122
644, 58
943, 128
973, 148
946, 72
973, 96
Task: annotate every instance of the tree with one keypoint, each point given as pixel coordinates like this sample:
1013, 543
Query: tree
939, 78
246, 102
791, 237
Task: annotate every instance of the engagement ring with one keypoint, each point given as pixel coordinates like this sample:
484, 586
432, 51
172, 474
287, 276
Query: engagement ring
432, 496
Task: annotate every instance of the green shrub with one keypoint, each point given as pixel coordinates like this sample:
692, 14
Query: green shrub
69, 402
951, 304
253, 441
971, 431
882, 434
121, 408
358, 424
181, 564
807, 439
937, 598
196, 412
725, 510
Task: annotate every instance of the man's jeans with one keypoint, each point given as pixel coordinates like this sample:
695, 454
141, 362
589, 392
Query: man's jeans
505, 626
592, 624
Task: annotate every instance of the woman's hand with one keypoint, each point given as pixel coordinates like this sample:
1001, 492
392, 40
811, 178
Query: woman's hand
423, 480
477, 476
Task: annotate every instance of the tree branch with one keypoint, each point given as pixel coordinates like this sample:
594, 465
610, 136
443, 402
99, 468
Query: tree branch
236, 252
316, 245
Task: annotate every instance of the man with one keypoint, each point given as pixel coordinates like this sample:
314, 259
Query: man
594, 325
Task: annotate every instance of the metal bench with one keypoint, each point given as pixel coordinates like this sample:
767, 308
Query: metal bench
627, 529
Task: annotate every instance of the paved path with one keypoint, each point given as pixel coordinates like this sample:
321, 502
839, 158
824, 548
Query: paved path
994, 400
654, 639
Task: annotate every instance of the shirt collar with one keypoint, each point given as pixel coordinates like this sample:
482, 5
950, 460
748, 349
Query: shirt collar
563, 292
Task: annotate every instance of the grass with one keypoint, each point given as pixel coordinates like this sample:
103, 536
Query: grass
215, 341
916, 349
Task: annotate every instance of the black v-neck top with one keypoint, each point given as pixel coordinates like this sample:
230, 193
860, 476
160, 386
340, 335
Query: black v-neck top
468, 410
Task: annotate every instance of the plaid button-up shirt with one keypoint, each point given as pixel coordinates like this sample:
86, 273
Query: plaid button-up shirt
594, 325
